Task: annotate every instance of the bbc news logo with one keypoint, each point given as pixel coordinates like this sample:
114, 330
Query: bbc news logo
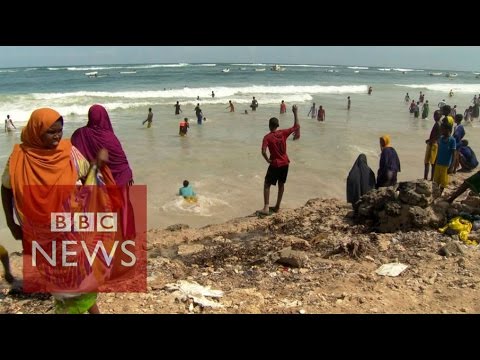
83, 221
100, 249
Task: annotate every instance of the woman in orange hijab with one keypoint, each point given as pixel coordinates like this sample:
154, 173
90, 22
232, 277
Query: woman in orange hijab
45, 159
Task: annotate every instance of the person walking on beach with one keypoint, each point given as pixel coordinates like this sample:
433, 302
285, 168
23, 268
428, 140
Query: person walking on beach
432, 145
177, 108
313, 111
468, 113
276, 143
407, 98
370, 89
183, 127
96, 135
446, 154
416, 110
9, 124
412, 107
360, 180
254, 104
425, 110
421, 98
321, 114
230, 106
389, 164
198, 114
149, 118
458, 135
213, 94
349, 103
46, 160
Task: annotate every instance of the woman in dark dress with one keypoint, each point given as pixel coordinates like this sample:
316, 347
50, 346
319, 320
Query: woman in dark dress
389, 164
360, 180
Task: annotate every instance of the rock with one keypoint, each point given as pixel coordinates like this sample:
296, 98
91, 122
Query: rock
452, 248
383, 244
250, 300
300, 244
441, 204
393, 208
472, 201
409, 210
188, 249
415, 193
177, 227
373, 201
292, 258
432, 279
425, 218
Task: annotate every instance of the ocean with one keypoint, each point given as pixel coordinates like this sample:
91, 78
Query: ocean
222, 157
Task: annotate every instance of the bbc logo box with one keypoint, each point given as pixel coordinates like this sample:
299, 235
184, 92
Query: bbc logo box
83, 221
85, 239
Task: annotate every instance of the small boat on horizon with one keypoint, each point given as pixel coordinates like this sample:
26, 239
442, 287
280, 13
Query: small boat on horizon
450, 75
260, 69
226, 70
92, 73
277, 68
436, 74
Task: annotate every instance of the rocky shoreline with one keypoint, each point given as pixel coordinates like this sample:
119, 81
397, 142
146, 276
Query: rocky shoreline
318, 258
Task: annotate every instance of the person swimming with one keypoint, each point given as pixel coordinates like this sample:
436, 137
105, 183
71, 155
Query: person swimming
187, 192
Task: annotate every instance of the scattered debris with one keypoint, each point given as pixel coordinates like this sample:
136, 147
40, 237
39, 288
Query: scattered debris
391, 269
184, 290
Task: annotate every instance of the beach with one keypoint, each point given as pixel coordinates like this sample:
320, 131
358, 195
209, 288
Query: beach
221, 158
314, 259
313, 256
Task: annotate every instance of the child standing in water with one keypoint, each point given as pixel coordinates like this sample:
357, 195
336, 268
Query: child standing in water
183, 127
149, 118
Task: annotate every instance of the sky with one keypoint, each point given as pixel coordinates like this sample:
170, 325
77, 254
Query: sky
417, 57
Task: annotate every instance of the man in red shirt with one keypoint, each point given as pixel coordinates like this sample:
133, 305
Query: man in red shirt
276, 142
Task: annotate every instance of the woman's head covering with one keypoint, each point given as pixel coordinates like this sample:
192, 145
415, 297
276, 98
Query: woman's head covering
360, 180
33, 164
40, 121
386, 140
99, 134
